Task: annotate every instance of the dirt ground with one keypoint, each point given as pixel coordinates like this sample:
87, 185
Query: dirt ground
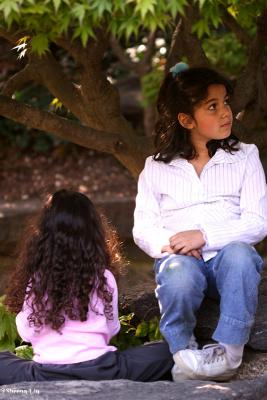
31, 175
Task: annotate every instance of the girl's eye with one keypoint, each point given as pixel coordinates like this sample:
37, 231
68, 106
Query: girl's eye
212, 107
226, 102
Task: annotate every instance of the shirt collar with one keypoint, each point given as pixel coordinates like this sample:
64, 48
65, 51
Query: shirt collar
220, 157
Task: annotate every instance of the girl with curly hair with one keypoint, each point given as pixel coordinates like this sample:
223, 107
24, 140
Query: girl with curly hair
66, 299
200, 208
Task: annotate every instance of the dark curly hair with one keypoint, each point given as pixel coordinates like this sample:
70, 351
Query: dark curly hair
181, 94
63, 261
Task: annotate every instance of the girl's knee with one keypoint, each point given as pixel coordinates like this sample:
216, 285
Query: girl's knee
179, 272
238, 249
242, 258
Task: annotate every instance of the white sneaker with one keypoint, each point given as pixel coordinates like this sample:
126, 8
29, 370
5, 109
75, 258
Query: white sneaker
210, 363
192, 345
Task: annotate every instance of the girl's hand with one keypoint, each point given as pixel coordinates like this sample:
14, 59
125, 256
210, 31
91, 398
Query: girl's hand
195, 253
186, 242
167, 249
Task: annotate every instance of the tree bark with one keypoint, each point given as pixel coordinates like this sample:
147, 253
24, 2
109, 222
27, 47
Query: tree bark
140, 68
186, 43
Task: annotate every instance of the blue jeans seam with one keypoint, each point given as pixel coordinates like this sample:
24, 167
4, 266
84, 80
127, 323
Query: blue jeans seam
236, 322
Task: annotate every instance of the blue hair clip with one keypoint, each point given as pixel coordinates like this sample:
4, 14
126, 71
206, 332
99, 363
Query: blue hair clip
177, 68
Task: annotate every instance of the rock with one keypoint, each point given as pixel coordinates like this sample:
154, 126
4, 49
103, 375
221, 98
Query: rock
258, 337
255, 389
144, 304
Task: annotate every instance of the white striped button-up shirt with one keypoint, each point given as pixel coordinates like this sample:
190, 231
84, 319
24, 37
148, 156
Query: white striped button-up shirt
227, 202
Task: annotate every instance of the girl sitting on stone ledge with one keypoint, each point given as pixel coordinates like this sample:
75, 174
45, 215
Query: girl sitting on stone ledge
200, 208
66, 297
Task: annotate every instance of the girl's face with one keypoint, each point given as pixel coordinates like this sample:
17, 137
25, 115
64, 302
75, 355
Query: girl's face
212, 117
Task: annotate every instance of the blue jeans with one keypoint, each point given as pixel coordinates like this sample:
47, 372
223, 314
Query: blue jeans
232, 276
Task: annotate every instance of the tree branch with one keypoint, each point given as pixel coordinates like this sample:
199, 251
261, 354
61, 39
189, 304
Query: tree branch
50, 74
247, 136
73, 46
185, 42
100, 96
121, 54
129, 150
176, 51
231, 23
11, 36
145, 64
93, 84
19, 80
247, 85
141, 67
47, 71
59, 126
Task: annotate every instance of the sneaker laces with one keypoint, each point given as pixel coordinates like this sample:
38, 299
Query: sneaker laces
213, 353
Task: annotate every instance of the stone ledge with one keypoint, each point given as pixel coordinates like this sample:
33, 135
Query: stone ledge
255, 389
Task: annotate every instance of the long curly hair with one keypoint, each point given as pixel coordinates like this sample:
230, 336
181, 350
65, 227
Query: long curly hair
181, 94
62, 262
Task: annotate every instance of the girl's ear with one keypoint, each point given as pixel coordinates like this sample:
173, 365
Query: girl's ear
186, 121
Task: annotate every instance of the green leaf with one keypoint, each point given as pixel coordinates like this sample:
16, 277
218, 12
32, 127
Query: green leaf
7, 6
34, 9
64, 23
57, 4
153, 329
119, 5
201, 3
177, 7
100, 7
79, 12
24, 351
8, 329
145, 7
39, 43
84, 32
6, 345
201, 27
142, 329
126, 318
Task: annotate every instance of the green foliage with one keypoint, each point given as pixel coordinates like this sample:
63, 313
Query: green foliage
39, 43
225, 52
132, 334
45, 20
24, 351
245, 12
150, 84
9, 337
8, 331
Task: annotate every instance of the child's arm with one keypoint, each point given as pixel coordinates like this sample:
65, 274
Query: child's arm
114, 323
251, 227
148, 232
22, 323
